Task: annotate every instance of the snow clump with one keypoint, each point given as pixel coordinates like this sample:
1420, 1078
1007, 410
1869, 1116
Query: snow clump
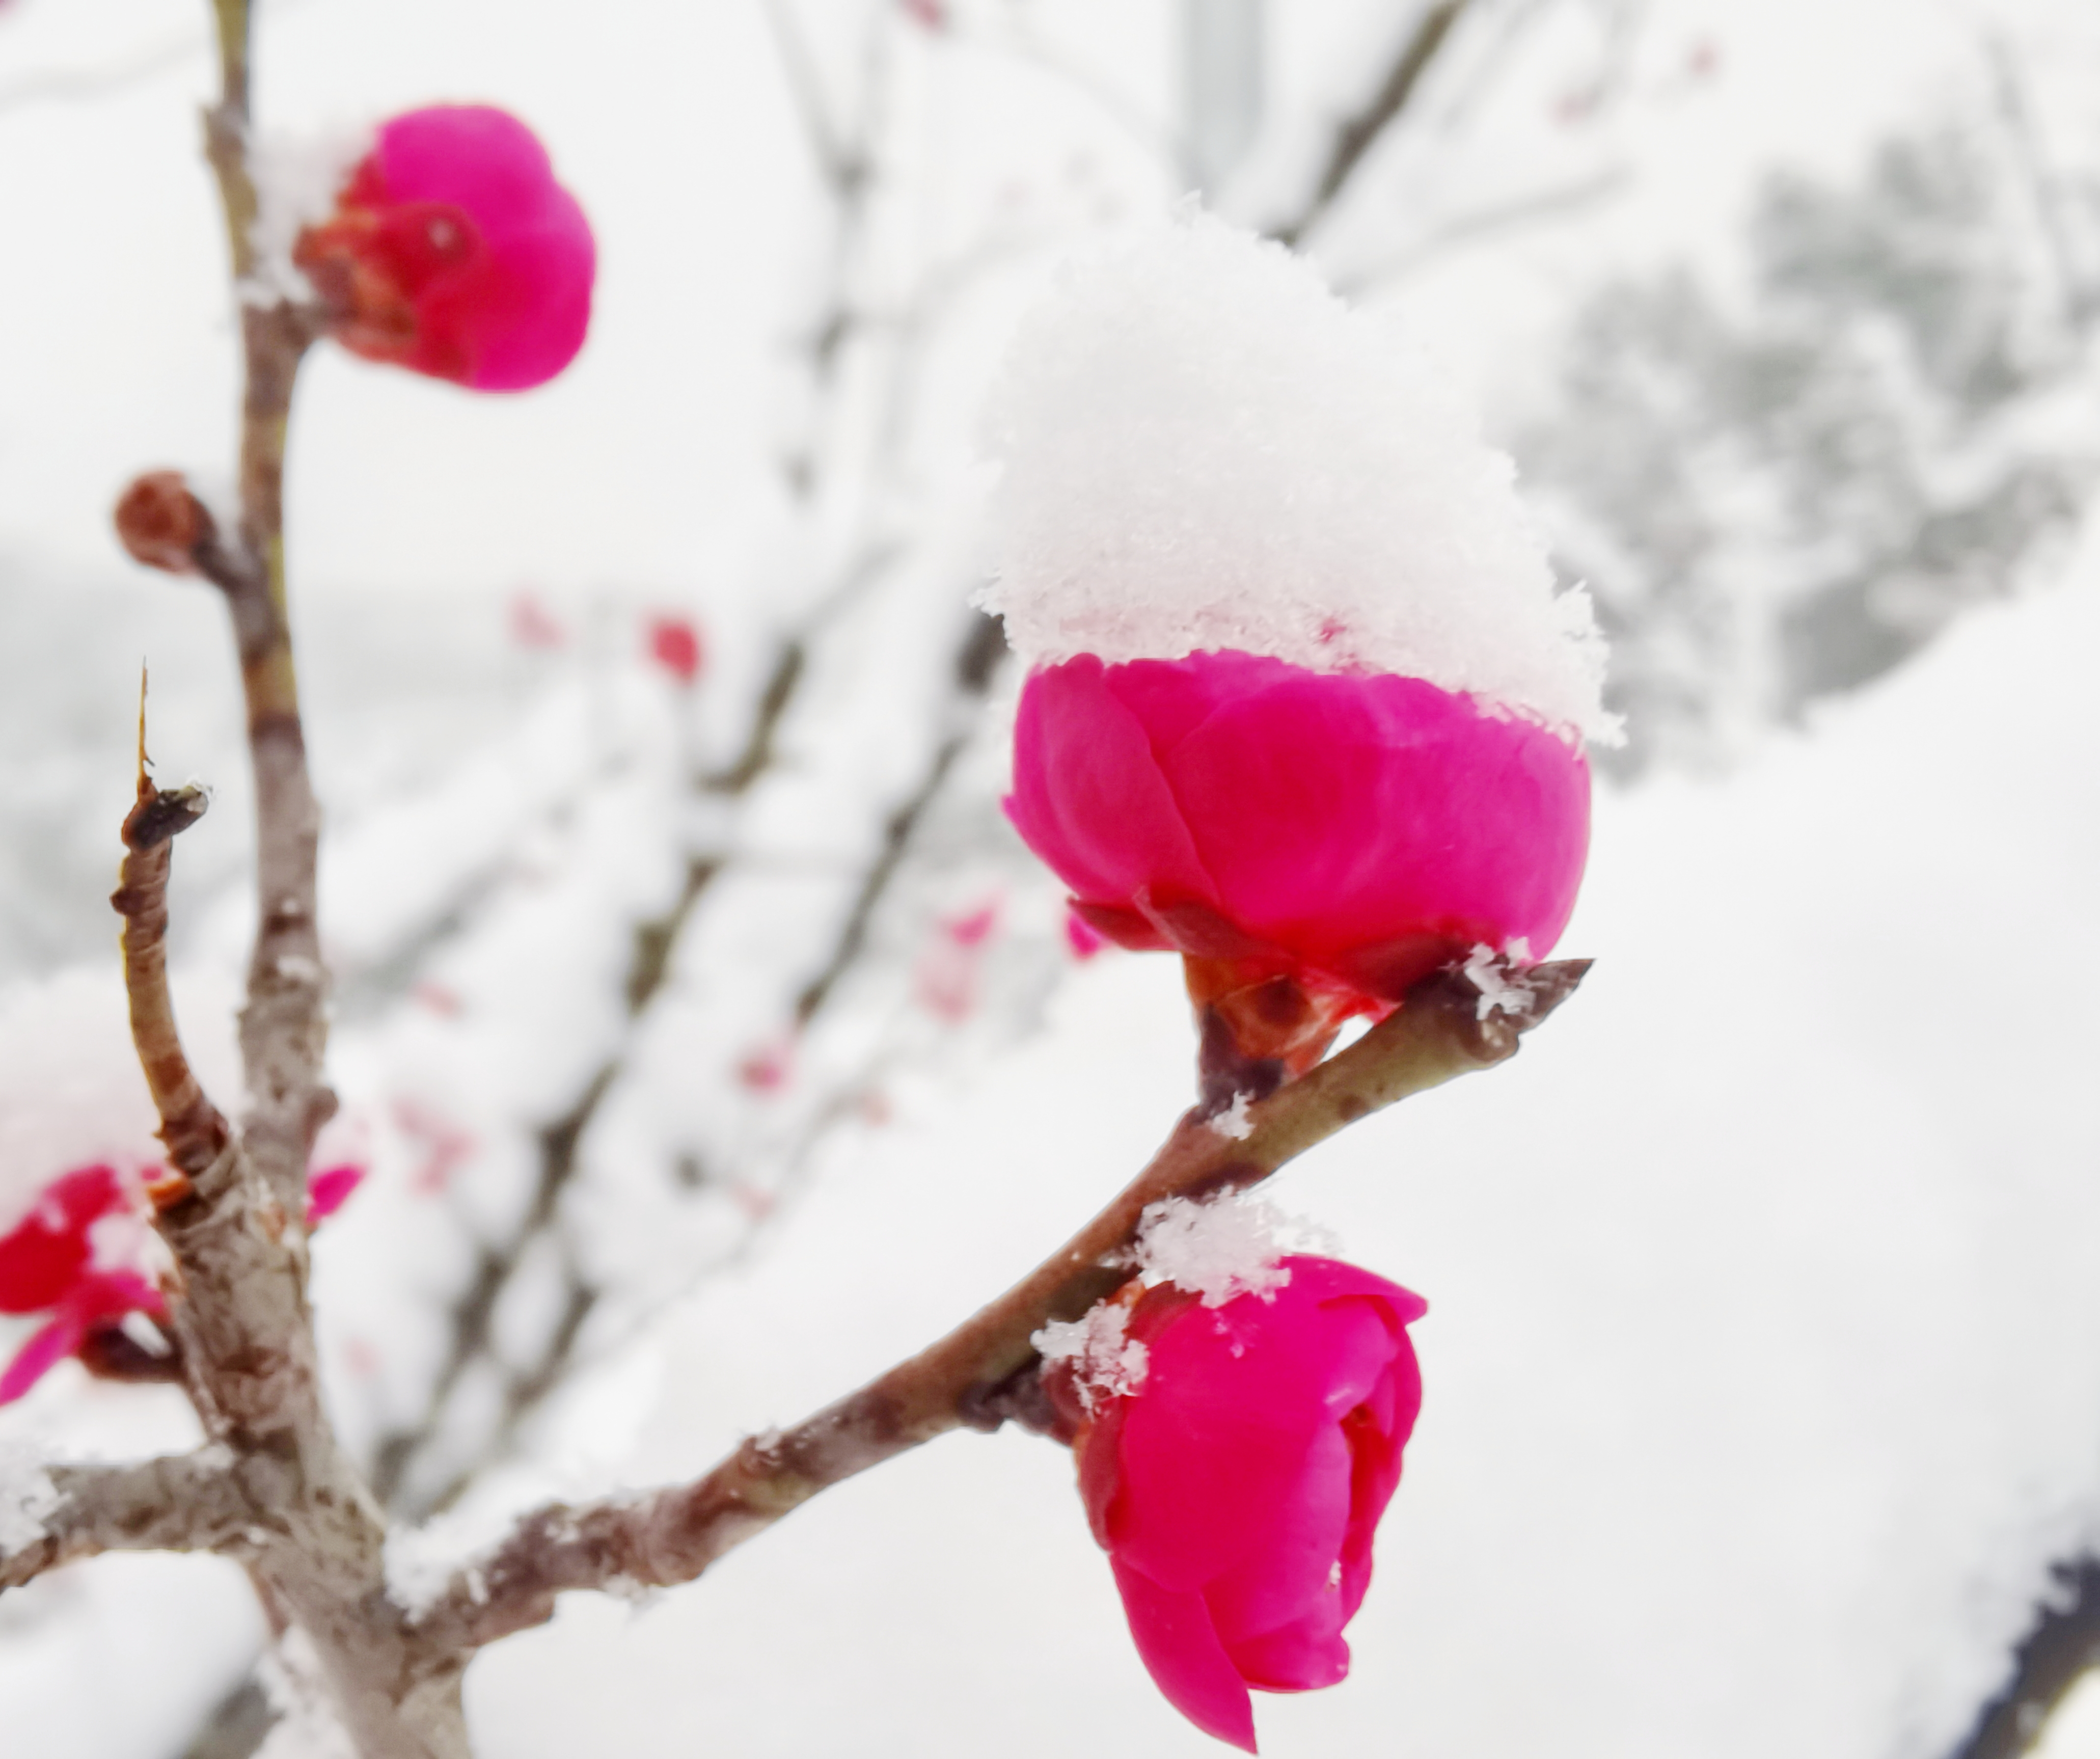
1219, 1249
28, 1496
1204, 449
298, 180
1106, 1361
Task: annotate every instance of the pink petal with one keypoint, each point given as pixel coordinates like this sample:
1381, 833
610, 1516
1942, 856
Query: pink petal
1179, 1647
36, 1358
1289, 1584
329, 1191
1089, 797
1339, 810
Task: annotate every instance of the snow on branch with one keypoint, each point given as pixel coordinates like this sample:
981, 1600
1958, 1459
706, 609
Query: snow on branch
54, 1515
984, 1371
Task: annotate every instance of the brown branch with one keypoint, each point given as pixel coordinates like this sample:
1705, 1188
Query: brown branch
283, 1027
1355, 138
184, 1502
969, 1377
2061, 1650
190, 1125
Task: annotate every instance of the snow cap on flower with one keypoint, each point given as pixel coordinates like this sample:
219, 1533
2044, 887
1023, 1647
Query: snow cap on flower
1204, 449
451, 250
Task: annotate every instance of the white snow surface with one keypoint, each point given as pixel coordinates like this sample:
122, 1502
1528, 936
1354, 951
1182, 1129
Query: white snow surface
298, 178
28, 1498
1205, 448
307, 1725
71, 1094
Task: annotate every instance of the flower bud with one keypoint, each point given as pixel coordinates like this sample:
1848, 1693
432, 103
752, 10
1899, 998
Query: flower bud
1235, 1460
453, 252
161, 524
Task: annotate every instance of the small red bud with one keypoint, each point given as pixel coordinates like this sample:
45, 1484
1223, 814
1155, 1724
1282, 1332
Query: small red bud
161, 524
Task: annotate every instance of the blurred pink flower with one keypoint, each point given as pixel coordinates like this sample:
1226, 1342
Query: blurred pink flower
675, 645
328, 1191
532, 625
48, 1264
453, 252
1236, 1488
1354, 831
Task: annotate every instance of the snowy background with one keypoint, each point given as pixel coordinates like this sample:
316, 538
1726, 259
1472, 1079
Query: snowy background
1763, 1360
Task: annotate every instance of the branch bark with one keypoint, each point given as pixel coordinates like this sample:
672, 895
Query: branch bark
182, 1502
972, 1376
1357, 135
2061, 1650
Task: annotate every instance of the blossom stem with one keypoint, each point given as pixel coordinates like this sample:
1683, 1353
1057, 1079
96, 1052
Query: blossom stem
968, 1378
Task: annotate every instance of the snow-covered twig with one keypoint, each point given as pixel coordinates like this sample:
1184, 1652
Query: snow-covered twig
1357, 135
182, 1502
981, 1373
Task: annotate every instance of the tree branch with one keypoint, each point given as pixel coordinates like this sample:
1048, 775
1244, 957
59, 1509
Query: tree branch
282, 1029
969, 1377
182, 1502
190, 1125
2064, 1646
1357, 135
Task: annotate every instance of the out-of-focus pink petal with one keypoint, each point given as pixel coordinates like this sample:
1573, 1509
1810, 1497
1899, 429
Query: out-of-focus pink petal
1179, 1647
329, 1191
44, 1254
455, 253
44, 1351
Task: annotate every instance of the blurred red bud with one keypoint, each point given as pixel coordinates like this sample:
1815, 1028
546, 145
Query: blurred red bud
161, 524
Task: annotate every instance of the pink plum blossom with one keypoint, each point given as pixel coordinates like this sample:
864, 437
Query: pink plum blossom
329, 1190
1354, 830
453, 252
675, 645
50, 1264
1236, 1485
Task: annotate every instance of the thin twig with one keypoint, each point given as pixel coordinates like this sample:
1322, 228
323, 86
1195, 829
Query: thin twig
976, 663
969, 1379
184, 1502
2061, 1650
1356, 137
191, 1127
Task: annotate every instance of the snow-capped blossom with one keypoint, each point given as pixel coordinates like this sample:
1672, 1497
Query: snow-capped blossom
453, 252
1236, 1483
1304, 702
75, 1257
675, 645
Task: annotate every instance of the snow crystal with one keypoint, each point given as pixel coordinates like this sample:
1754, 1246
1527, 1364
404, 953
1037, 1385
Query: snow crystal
1205, 448
28, 1498
1104, 1359
307, 1725
298, 178
1233, 1123
1218, 1249
422, 1561
1501, 990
